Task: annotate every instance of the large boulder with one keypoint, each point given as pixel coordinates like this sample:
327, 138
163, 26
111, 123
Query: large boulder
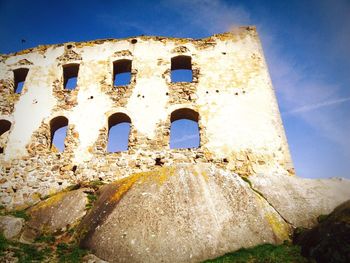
186, 213
57, 213
300, 201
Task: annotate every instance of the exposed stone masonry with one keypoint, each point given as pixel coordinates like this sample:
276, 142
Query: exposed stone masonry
239, 122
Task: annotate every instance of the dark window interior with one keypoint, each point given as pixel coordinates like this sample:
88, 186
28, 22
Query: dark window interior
181, 69
5, 125
70, 76
122, 72
20, 76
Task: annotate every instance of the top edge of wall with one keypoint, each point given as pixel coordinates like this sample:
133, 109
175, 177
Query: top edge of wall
234, 32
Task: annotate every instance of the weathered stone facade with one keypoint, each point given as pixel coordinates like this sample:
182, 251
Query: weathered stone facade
239, 121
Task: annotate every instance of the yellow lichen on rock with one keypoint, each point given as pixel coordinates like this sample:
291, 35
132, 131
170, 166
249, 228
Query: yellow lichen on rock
159, 176
59, 212
48, 202
124, 185
179, 213
280, 228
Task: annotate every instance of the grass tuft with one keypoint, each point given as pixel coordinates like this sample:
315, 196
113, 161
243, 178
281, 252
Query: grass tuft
91, 199
15, 213
23, 252
45, 239
70, 253
4, 244
20, 214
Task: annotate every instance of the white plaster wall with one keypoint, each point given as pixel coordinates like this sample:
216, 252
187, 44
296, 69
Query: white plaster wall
34, 105
233, 122
148, 100
89, 115
36, 100
243, 121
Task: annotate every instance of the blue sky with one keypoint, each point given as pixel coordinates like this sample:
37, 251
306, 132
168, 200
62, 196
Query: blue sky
306, 44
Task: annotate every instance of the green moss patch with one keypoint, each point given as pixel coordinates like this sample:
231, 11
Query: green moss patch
70, 253
266, 253
15, 213
45, 249
91, 200
23, 252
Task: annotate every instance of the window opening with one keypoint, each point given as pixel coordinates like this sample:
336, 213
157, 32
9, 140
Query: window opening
70, 76
184, 130
20, 76
58, 131
5, 126
118, 132
121, 72
181, 69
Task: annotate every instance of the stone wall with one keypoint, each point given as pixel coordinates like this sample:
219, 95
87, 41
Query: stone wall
239, 121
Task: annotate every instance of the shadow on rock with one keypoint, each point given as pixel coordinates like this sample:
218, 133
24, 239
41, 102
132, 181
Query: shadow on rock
329, 241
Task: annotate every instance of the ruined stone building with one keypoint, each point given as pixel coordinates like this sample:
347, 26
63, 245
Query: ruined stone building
230, 96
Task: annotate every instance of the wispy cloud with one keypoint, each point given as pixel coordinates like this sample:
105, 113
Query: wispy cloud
316, 106
303, 84
185, 138
304, 87
211, 16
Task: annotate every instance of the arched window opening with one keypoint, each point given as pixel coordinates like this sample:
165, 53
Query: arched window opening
5, 126
70, 76
20, 76
181, 69
121, 72
118, 132
58, 131
184, 130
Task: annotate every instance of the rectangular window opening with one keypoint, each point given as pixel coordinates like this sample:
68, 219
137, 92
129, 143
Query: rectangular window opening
181, 69
70, 76
121, 72
20, 76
